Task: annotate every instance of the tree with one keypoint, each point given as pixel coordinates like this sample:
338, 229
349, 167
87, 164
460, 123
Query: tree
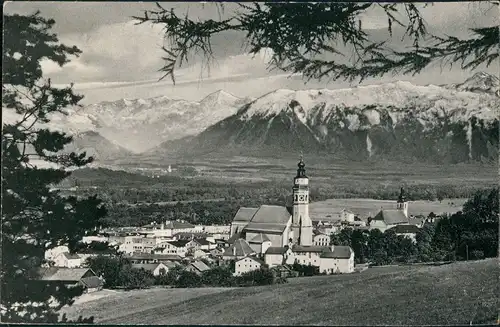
110, 268
33, 216
315, 38
220, 276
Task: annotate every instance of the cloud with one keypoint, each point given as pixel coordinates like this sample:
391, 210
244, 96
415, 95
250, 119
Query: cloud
115, 52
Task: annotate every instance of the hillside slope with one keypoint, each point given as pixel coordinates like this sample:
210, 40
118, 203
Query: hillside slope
458, 293
396, 120
97, 146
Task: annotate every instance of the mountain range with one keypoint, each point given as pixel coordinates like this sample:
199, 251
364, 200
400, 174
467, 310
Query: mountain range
141, 124
395, 121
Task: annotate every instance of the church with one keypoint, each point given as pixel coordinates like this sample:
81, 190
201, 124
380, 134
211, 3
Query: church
284, 235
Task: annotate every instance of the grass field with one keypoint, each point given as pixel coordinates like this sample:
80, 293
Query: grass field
458, 293
370, 207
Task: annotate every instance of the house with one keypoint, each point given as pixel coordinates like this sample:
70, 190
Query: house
308, 255
320, 239
200, 244
222, 236
341, 215
217, 229
201, 254
189, 236
340, 260
137, 244
67, 260
156, 269
409, 231
50, 254
329, 228
197, 267
247, 264
217, 252
239, 249
172, 247
153, 258
85, 277
279, 255
84, 254
90, 239
168, 228
221, 243
92, 284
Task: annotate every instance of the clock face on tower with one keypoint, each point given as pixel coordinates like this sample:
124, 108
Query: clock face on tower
302, 197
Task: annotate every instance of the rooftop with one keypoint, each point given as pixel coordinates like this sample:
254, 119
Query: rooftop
64, 274
312, 248
271, 214
200, 266
254, 259
405, 229
146, 266
391, 216
149, 256
260, 238
92, 282
245, 214
339, 252
242, 249
276, 250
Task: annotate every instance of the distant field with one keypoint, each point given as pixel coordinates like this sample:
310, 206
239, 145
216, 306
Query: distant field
459, 293
367, 207
340, 173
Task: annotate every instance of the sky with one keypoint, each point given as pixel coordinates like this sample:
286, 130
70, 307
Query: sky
121, 59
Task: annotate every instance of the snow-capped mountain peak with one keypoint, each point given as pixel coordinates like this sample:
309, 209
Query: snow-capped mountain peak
480, 82
220, 96
400, 94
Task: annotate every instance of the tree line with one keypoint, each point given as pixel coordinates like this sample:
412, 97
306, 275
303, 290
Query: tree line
119, 272
469, 234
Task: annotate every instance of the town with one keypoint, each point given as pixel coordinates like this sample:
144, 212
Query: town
275, 237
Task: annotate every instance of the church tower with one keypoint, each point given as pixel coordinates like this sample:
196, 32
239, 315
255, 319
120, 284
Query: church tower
301, 222
402, 202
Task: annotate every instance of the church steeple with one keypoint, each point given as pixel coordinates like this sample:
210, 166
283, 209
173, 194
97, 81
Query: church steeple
301, 172
402, 203
301, 230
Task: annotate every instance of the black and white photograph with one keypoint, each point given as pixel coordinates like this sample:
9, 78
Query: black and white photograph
250, 163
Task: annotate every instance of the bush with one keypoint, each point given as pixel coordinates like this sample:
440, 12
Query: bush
259, 277
188, 279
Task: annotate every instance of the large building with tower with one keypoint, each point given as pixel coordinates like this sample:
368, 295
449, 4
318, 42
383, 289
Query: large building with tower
284, 234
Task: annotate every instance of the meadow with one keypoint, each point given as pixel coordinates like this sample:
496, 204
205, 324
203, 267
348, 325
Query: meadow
457, 293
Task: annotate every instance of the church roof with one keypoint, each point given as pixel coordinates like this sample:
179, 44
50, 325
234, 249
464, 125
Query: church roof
242, 249
391, 216
260, 238
339, 252
245, 214
271, 214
